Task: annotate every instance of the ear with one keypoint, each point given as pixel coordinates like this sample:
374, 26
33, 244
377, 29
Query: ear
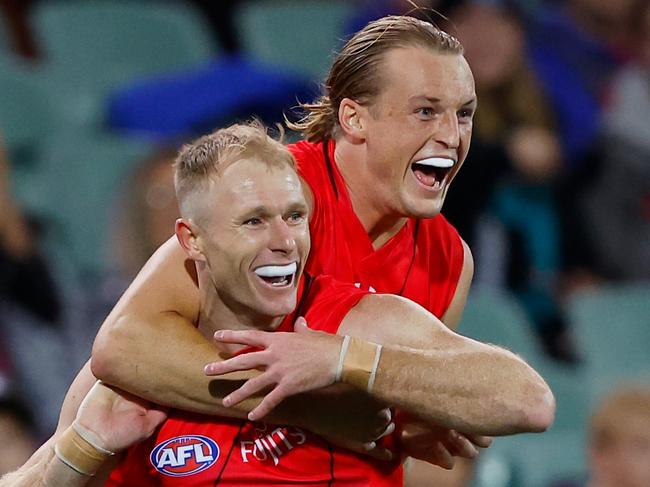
189, 240
351, 119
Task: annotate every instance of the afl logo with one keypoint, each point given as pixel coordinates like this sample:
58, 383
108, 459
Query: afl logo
184, 455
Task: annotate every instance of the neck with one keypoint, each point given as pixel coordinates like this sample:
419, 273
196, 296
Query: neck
217, 312
380, 222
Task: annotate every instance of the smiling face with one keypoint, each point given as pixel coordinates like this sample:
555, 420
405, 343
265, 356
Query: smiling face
417, 131
253, 235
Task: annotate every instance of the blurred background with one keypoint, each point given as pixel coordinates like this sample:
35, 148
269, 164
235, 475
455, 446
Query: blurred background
554, 198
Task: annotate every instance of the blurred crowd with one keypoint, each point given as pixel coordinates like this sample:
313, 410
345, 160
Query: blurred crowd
554, 197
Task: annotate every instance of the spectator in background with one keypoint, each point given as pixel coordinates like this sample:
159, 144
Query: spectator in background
220, 16
617, 206
30, 311
146, 214
25, 279
619, 440
369, 10
513, 170
15, 19
575, 48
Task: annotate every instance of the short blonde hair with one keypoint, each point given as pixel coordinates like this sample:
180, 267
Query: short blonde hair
630, 401
199, 162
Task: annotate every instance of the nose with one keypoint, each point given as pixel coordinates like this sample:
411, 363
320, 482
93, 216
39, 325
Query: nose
281, 238
448, 131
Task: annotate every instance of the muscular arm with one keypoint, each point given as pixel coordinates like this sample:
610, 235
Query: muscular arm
425, 369
445, 378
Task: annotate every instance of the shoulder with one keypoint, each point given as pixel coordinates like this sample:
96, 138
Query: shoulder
329, 301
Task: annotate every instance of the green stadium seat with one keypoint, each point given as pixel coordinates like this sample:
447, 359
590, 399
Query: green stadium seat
612, 325
532, 460
26, 111
299, 35
495, 317
107, 43
74, 190
6, 50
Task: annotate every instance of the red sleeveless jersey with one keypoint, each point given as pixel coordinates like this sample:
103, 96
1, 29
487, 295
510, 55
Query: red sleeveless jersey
421, 262
200, 451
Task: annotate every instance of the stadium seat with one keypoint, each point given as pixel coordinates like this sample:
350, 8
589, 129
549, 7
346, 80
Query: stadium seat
612, 325
300, 35
5, 40
74, 190
106, 43
26, 112
27, 115
532, 460
495, 317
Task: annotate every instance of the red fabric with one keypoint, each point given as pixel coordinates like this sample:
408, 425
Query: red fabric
255, 454
421, 262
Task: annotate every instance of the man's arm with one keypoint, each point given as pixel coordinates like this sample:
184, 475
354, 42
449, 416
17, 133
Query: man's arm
424, 368
81, 453
454, 312
32, 473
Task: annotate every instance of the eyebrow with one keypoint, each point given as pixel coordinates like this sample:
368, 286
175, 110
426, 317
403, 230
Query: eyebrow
434, 100
264, 210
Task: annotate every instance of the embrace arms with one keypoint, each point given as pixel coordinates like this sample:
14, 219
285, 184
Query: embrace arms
424, 369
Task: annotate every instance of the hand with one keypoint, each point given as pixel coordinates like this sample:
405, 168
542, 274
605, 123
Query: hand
291, 363
350, 419
117, 419
438, 445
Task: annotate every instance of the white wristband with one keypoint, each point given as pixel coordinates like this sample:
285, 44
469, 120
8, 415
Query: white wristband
375, 364
344, 351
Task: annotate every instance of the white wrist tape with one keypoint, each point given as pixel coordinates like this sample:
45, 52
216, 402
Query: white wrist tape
344, 350
375, 364
77, 448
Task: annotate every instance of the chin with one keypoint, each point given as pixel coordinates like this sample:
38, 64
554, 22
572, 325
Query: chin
424, 209
277, 309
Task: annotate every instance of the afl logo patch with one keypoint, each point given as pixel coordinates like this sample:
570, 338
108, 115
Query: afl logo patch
184, 455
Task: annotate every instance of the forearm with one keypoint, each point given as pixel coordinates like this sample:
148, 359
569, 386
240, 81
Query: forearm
45, 470
163, 363
476, 388
445, 378
58, 473
162, 360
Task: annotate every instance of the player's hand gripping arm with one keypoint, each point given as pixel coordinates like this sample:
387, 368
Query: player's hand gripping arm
423, 368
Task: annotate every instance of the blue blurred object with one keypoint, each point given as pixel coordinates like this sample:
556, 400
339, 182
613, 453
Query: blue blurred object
574, 69
194, 102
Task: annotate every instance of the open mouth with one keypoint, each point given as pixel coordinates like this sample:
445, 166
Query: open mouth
277, 275
433, 171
